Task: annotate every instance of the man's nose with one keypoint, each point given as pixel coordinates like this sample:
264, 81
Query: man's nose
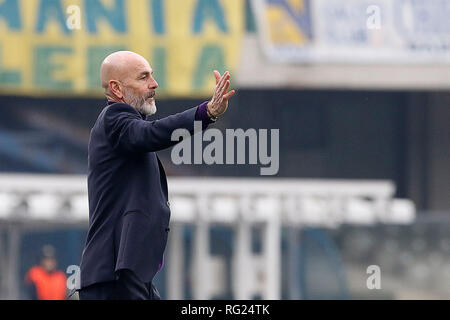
153, 84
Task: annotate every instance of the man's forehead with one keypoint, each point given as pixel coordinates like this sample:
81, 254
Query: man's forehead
143, 67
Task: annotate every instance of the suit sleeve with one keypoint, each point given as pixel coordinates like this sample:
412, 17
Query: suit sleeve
128, 132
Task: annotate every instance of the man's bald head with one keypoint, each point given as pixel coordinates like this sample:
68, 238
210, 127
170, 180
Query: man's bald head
119, 65
127, 77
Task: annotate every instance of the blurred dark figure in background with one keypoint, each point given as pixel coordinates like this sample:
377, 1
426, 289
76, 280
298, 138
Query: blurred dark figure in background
44, 281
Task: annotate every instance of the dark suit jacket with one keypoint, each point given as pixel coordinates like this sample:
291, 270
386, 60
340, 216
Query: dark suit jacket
128, 203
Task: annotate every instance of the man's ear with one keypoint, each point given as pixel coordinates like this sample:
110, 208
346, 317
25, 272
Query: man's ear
116, 88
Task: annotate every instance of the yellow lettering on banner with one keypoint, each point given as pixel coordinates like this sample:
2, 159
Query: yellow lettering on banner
47, 49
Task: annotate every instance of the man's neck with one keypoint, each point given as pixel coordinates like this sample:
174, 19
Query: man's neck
114, 99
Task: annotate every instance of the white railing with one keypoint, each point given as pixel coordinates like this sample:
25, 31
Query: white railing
238, 203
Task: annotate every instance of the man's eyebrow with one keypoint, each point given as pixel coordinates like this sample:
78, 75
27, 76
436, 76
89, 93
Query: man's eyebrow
145, 73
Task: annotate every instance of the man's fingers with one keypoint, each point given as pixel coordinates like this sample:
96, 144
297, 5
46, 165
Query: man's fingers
219, 83
225, 89
229, 94
217, 75
222, 85
223, 81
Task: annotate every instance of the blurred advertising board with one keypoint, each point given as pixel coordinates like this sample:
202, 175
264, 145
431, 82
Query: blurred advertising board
354, 31
57, 46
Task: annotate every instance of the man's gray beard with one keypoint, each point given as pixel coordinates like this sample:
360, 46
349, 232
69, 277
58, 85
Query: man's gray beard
140, 104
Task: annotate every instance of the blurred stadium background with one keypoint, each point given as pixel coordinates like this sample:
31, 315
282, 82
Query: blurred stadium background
359, 90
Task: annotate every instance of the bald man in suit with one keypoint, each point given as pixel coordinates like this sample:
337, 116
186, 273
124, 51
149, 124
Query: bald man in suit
129, 211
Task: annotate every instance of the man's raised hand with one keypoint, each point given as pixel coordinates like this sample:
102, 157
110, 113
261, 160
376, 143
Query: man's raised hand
219, 102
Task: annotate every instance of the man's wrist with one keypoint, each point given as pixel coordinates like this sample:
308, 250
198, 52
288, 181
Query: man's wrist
202, 115
210, 115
